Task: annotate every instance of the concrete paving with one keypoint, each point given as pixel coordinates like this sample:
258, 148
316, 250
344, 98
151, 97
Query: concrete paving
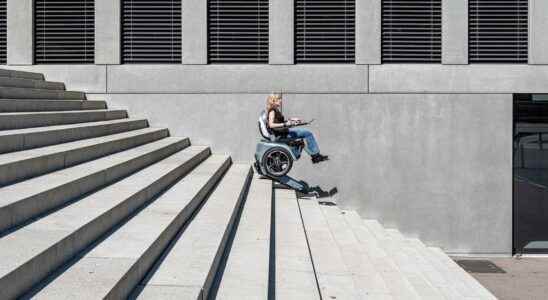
525, 278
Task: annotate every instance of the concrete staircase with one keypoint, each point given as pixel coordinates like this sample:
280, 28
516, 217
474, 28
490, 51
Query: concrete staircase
94, 204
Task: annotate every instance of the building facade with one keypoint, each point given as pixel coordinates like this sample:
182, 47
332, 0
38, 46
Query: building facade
413, 99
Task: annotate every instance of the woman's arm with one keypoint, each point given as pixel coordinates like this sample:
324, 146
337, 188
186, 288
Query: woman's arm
271, 123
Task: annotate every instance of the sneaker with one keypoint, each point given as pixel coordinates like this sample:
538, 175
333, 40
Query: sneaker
316, 158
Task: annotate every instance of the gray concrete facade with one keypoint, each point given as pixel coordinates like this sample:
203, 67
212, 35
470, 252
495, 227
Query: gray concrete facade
281, 32
107, 32
538, 39
368, 31
20, 29
194, 32
425, 148
454, 32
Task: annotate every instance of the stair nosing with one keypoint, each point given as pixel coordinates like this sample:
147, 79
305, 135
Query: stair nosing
21, 131
81, 144
84, 111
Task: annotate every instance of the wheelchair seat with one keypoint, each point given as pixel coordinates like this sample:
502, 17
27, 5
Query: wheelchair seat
270, 135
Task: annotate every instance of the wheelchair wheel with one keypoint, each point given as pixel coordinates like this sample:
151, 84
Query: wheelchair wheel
277, 162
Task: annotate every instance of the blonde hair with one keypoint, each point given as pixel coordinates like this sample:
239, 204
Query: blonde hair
271, 99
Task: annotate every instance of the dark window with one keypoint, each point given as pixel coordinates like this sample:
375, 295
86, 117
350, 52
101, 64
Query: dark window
3, 30
238, 31
325, 31
411, 31
498, 31
64, 31
151, 31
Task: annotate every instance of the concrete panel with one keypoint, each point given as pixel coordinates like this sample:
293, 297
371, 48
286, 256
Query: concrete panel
107, 32
454, 32
368, 31
20, 28
483, 78
434, 166
194, 32
281, 32
86, 78
538, 39
236, 78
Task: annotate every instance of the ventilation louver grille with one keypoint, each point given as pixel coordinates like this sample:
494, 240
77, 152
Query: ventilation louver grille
411, 31
3, 32
64, 31
151, 31
238, 31
325, 31
498, 31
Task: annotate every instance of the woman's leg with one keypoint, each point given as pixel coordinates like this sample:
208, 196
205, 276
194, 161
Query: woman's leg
312, 147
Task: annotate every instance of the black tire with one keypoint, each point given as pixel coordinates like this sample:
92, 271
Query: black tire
277, 162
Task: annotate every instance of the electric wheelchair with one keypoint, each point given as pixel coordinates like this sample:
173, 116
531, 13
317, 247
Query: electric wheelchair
275, 154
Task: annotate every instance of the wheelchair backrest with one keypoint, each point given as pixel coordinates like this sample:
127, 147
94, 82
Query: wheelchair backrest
263, 126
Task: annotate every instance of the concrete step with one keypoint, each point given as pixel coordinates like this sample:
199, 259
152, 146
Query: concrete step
17, 166
293, 272
397, 283
410, 266
445, 272
31, 198
189, 267
29, 105
30, 93
29, 138
450, 288
367, 279
246, 271
133, 248
21, 74
39, 119
30, 83
31, 253
335, 279
475, 288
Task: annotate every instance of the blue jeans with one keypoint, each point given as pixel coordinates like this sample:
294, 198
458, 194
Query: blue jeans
301, 133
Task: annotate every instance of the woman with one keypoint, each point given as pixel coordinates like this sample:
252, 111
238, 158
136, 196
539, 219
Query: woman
277, 121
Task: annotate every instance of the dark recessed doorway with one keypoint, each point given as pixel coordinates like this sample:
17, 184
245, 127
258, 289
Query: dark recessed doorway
530, 173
